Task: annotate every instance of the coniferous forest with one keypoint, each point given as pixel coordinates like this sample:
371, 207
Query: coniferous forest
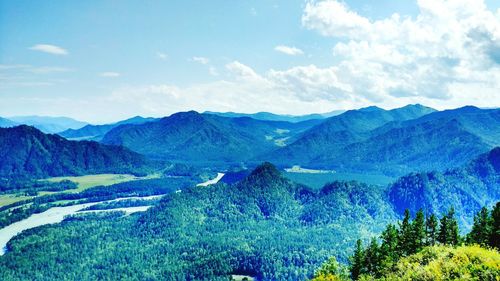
265, 140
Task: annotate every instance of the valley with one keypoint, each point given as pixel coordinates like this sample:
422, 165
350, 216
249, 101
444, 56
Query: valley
208, 196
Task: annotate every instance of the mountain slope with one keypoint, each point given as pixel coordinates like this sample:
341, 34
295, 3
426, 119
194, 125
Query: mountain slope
329, 137
5, 123
467, 188
97, 132
190, 136
48, 124
27, 152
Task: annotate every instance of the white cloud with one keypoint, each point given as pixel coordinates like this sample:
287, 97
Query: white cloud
50, 49
213, 71
449, 45
109, 74
161, 55
292, 51
201, 60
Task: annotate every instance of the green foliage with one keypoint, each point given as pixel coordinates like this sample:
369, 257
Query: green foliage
28, 153
409, 238
481, 229
448, 229
261, 227
467, 189
446, 263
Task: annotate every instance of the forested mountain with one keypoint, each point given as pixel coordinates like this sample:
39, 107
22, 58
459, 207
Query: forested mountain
328, 138
190, 136
97, 132
5, 123
266, 116
370, 141
49, 124
27, 152
264, 226
467, 189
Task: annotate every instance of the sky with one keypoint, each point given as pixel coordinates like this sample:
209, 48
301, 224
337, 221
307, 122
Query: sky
103, 61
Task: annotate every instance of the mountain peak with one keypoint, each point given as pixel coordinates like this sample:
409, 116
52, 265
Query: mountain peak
266, 169
370, 109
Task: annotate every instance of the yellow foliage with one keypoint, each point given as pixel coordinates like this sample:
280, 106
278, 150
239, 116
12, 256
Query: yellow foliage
447, 263
326, 277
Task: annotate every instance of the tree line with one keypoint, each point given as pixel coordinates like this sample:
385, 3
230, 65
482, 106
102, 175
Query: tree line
409, 237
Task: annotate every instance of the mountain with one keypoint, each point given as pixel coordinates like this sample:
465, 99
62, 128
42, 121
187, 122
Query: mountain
328, 139
48, 124
27, 152
97, 132
5, 123
204, 138
266, 116
467, 188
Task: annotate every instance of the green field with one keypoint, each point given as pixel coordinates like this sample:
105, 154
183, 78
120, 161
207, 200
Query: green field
89, 181
7, 199
83, 182
318, 180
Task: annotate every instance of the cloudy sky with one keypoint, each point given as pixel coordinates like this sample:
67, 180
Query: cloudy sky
102, 61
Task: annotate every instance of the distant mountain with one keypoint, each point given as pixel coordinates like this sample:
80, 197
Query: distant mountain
49, 124
97, 132
467, 189
328, 139
27, 152
5, 123
278, 117
191, 136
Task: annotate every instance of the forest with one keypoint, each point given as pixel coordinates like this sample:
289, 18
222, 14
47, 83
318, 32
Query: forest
425, 248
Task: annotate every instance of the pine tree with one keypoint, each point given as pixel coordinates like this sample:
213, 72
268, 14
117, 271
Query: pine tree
388, 249
418, 232
481, 229
372, 261
495, 226
357, 261
431, 230
404, 235
448, 229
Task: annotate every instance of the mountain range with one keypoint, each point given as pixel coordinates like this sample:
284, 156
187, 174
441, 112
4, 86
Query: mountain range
267, 116
195, 137
97, 132
48, 124
26, 152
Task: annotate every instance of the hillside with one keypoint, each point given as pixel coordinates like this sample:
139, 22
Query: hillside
27, 152
190, 136
265, 226
97, 132
467, 188
369, 142
5, 123
49, 124
328, 138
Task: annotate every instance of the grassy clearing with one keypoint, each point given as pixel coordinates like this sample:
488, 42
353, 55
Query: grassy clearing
7, 199
318, 180
89, 181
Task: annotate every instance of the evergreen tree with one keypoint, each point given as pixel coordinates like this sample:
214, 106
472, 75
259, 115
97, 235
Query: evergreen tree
431, 230
405, 235
372, 261
481, 229
448, 230
357, 261
418, 232
495, 226
388, 249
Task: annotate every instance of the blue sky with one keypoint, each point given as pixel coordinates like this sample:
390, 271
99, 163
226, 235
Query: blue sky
101, 61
